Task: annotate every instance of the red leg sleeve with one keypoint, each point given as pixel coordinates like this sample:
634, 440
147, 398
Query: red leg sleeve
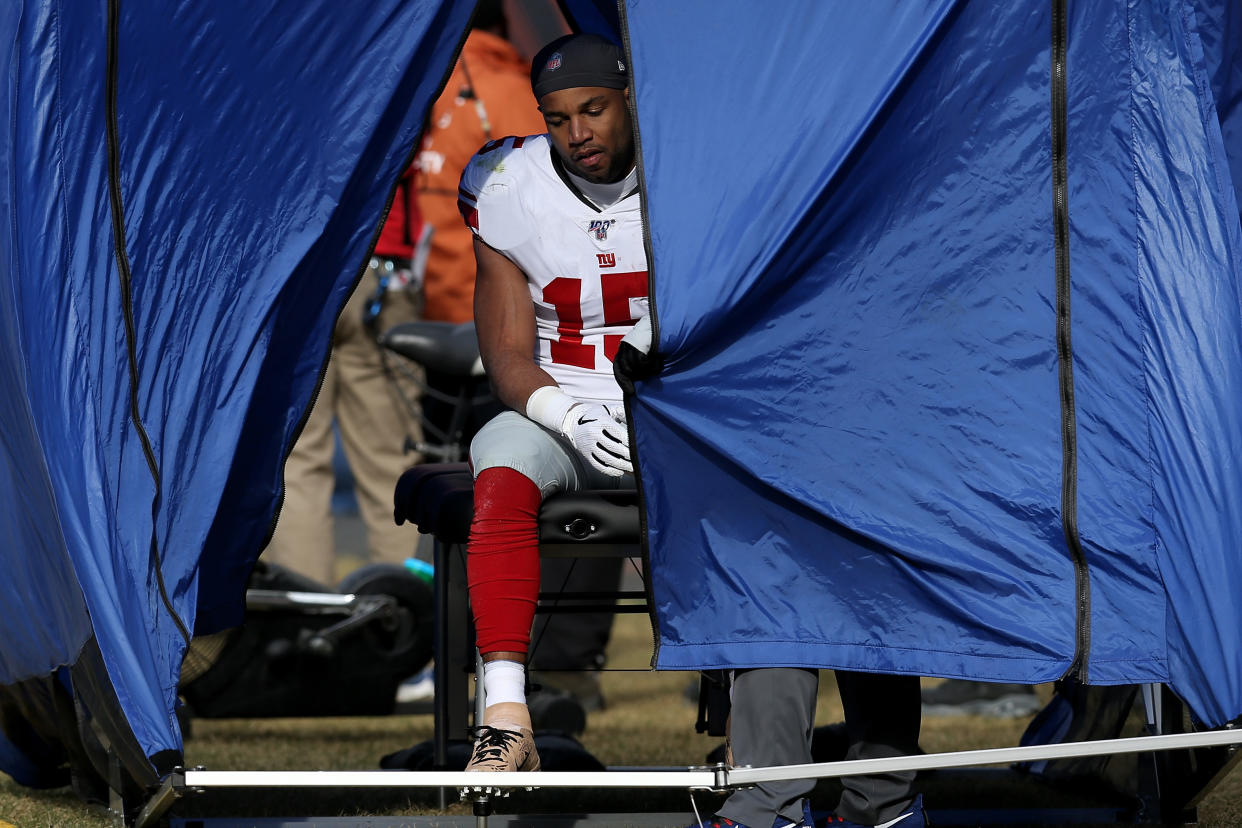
502, 561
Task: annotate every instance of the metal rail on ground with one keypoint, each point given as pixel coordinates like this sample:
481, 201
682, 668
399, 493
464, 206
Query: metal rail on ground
718, 778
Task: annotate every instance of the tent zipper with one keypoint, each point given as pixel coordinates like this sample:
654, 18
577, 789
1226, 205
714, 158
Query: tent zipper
121, 250
1065, 350
655, 334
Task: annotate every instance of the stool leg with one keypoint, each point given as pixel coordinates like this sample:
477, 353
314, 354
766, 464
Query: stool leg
439, 703
480, 695
453, 647
442, 623
452, 651
482, 802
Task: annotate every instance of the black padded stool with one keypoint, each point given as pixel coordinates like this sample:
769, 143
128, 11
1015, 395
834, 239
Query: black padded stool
439, 499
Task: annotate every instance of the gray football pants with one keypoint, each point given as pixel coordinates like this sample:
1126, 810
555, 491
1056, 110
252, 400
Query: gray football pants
772, 717
511, 440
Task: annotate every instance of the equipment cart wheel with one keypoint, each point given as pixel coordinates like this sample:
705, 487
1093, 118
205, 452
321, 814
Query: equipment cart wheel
405, 637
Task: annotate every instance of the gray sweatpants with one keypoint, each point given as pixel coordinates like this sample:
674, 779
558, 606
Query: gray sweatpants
771, 722
882, 718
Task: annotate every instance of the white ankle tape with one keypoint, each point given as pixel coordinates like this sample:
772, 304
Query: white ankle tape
504, 681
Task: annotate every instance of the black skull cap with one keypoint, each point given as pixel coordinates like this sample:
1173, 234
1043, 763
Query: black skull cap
578, 60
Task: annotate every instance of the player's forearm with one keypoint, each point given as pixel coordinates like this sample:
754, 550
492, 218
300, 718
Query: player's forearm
514, 378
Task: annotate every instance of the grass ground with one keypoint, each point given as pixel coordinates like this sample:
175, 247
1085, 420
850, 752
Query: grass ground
647, 722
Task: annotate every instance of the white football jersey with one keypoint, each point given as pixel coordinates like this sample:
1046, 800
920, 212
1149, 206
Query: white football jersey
586, 268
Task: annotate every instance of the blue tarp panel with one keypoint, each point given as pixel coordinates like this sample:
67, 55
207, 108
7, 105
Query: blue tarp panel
860, 432
854, 457
1219, 23
254, 153
599, 17
43, 619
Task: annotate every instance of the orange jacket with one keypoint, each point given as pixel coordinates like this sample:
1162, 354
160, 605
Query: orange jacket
493, 72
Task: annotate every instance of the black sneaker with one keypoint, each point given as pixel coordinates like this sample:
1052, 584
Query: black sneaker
960, 697
912, 817
552, 710
779, 822
581, 685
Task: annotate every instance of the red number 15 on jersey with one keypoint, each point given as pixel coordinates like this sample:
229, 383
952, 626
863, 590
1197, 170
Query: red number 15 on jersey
565, 295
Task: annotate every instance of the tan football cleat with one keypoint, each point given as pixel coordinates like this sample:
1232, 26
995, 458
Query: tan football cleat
498, 748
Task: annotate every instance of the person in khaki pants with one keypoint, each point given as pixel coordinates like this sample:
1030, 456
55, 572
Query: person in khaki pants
374, 403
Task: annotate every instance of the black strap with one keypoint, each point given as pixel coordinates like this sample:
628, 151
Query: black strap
1065, 349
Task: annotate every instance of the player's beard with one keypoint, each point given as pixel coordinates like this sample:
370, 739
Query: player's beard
596, 174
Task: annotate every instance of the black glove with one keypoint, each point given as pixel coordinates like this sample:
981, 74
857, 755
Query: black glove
636, 359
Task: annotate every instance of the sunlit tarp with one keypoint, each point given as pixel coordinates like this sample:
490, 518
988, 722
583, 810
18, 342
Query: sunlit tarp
854, 457
156, 360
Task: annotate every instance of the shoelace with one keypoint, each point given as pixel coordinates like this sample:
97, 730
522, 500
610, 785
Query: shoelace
491, 742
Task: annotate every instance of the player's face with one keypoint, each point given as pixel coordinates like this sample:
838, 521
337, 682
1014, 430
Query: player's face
590, 128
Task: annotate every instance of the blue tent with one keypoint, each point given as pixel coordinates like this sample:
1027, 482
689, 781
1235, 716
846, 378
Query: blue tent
185, 212
973, 426
917, 419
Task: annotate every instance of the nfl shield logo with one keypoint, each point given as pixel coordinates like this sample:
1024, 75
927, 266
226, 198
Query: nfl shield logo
554, 62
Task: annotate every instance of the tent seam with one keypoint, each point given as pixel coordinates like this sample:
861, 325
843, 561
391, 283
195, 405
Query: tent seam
644, 528
70, 256
1143, 318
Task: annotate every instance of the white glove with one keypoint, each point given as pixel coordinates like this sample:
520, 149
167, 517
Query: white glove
594, 432
603, 441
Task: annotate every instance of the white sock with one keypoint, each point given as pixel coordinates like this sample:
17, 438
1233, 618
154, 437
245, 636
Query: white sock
504, 681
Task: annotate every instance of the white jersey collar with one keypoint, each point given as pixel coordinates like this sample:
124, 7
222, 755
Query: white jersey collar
604, 196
